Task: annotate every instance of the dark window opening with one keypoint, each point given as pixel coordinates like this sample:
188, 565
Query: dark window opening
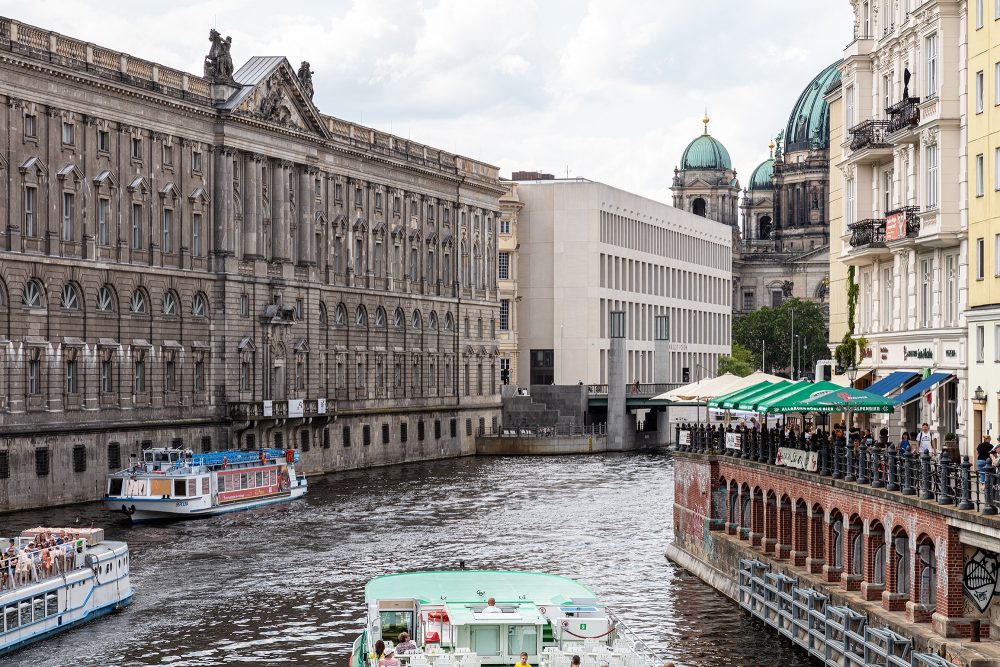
42, 461
699, 207
385, 434
206, 443
420, 430
79, 458
453, 427
304, 440
366, 435
326, 438
402, 433
347, 436
437, 429
114, 456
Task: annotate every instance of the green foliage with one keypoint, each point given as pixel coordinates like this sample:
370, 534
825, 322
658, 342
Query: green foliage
742, 362
847, 352
772, 328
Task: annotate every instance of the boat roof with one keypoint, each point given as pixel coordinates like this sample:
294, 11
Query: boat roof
451, 586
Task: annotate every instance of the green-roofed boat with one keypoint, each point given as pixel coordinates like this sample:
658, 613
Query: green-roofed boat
449, 617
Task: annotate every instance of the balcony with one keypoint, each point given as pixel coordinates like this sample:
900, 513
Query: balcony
255, 410
904, 115
868, 138
868, 233
903, 223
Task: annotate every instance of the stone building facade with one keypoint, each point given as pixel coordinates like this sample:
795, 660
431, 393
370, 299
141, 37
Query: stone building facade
209, 261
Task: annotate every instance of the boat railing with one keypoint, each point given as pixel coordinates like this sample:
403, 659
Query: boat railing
33, 567
634, 642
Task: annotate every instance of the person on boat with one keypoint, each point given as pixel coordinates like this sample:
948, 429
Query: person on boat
575, 662
405, 645
379, 651
491, 607
523, 660
389, 658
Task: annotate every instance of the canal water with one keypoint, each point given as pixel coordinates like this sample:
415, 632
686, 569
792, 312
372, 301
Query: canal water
285, 585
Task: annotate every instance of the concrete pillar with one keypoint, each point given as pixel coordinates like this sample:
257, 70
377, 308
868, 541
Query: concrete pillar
279, 211
616, 382
251, 203
661, 349
222, 200
305, 228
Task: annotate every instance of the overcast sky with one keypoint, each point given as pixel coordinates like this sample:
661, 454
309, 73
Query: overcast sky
612, 90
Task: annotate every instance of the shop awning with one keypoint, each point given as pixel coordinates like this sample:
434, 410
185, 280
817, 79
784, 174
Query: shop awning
792, 402
891, 382
749, 403
845, 398
730, 401
919, 388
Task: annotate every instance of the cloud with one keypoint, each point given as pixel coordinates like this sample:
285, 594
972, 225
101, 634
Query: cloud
610, 89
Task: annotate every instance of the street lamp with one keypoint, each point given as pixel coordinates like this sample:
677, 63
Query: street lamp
852, 375
979, 396
796, 375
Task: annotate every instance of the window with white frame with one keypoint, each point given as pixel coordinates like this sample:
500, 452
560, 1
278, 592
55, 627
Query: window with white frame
886, 92
504, 314
868, 298
67, 216
979, 175
168, 230
996, 168
980, 91
925, 292
887, 299
996, 255
30, 197
996, 81
979, 14
849, 203
103, 212
503, 266
866, 20
886, 191
849, 106
136, 226
980, 259
996, 9
980, 344
951, 289
931, 197
931, 51
505, 225
196, 234
996, 342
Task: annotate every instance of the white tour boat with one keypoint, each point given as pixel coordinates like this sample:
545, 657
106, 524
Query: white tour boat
447, 616
46, 590
179, 484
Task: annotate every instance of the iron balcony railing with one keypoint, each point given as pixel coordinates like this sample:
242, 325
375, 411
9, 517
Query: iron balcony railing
868, 233
910, 223
869, 134
904, 114
633, 389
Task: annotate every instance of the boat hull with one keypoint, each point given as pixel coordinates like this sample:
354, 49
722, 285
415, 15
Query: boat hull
140, 510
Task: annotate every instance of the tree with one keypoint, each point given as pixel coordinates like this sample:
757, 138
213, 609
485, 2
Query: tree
769, 331
742, 362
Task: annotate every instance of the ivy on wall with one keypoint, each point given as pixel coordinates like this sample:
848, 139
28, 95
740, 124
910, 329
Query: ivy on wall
847, 352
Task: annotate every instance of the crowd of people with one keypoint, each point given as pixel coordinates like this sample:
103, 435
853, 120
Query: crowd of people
45, 555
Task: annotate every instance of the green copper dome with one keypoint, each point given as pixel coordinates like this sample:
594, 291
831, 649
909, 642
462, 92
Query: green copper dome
809, 124
762, 177
706, 152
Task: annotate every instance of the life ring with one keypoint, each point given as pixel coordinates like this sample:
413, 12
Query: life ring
438, 615
290, 456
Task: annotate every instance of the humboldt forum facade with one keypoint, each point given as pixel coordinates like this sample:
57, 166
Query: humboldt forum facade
210, 262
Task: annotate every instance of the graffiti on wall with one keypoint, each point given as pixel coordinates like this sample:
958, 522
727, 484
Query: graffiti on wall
980, 579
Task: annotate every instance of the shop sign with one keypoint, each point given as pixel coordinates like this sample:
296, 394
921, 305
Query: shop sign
951, 354
684, 438
734, 441
796, 458
921, 353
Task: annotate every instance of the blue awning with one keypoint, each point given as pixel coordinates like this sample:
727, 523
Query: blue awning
891, 382
921, 387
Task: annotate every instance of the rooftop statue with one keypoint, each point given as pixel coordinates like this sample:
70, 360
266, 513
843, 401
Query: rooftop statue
219, 62
305, 78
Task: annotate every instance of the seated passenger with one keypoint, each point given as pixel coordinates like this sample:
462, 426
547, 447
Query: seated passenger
405, 645
389, 658
491, 607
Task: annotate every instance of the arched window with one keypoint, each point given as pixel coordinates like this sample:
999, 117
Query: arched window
415, 320
3, 295
764, 228
105, 300
169, 303
32, 296
340, 315
432, 321
137, 304
322, 313
449, 322
70, 297
361, 317
380, 318
927, 571
199, 305
699, 207
397, 318
901, 561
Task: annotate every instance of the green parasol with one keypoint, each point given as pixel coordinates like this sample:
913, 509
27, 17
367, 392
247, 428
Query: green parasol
792, 401
846, 398
725, 402
750, 403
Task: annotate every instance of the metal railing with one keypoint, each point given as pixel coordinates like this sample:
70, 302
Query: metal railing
869, 233
869, 134
560, 430
911, 215
903, 114
880, 465
632, 389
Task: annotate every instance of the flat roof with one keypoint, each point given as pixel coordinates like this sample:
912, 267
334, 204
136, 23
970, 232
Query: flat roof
456, 586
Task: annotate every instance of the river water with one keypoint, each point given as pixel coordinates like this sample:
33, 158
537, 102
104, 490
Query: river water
285, 585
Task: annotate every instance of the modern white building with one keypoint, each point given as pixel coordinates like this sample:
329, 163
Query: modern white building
586, 249
905, 203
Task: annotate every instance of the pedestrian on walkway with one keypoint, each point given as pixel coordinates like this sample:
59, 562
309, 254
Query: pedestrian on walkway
926, 441
983, 451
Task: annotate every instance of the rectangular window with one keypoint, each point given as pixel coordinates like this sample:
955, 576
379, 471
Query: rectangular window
932, 176
42, 461
338, 192
996, 81
402, 432
139, 377
996, 168
79, 458
114, 456
103, 141
378, 201
245, 305
980, 259
925, 292
886, 91
979, 14
67, 134
979, 175
849, 106
196, 161
505, 225
385, 434
168, 155
199, 376
136, 226
245, 376
136, 148
951, 290
980, 344
886, 299
980, 93
105, 377
168, 230
67, 216
996, 255
366, 435
849, 203
996, 9
34, 371
504, 314
29, 210
103, 210
30, 127
747, 301
70, 385
196, 234
503, 265
996, 342
168, 376
930, 49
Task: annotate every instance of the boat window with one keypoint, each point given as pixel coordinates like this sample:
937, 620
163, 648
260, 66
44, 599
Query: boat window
180, 487
39, 604
522, 638
158, 457
260, 479
485, 639
243, 481
394, 622
25, 612
192, 487
222, 482
116, 486
204, 486
10, 615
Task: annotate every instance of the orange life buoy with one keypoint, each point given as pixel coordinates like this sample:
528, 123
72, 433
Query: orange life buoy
437, 615
290, 456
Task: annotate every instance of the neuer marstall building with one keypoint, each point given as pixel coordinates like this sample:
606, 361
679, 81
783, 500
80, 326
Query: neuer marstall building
209, 261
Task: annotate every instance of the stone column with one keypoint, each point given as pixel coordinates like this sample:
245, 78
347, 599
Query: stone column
279, 211
816, 559
222, 200
305, 227
251, 204
770, 525
661, 349
616, 382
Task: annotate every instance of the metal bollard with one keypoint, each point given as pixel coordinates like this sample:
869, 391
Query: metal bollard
892, 483
989, 509
849, 460
863, 454
837, 474
965, 485
908, 476
945, 493
925, 477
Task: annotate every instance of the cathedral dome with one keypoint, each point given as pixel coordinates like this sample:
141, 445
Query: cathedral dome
809, 123
762, 177
706, 152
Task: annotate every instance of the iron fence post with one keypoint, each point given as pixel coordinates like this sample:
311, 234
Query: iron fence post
945, 494
965, 489
892, 484
988, 508
863, 454
925, 477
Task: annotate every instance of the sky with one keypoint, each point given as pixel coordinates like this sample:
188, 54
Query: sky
611, 90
